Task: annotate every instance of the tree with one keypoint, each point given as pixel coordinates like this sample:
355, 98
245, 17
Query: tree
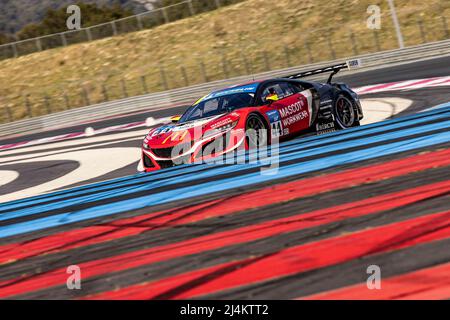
4, 38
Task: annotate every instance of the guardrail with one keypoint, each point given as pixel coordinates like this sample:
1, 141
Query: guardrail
187, 95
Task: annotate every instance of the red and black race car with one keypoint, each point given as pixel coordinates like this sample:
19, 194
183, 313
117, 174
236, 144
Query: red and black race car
252, 114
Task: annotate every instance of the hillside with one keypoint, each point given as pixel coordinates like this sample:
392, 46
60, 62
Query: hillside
15, 14
249, 37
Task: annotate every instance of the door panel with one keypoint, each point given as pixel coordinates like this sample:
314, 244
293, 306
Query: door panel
291, 113
294, 112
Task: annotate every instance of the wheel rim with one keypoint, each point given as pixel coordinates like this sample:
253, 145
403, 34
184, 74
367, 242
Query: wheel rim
256, 131
344, 112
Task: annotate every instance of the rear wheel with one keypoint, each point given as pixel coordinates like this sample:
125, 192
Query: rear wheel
255, 132
345, 113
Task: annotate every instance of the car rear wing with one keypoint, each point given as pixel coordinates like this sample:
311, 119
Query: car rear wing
350, 64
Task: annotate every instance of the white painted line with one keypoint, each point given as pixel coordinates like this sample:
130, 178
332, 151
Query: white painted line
72, 145
93, 163
376, 110
404, 85
88, 132
7, 176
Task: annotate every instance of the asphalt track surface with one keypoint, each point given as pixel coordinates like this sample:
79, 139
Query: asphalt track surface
32, 170
338, 203
416, 70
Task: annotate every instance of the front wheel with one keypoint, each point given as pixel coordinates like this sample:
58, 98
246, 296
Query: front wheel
345, 113
255, 132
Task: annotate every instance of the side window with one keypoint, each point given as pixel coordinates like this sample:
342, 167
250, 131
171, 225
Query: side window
295, 87
196, 114
287, 88
282, 89
272, 88
302, 87
210, 107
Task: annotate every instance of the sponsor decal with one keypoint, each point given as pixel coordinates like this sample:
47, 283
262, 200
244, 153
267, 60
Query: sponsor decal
354, 64
184, 126
273, 115
324, 102
275, 123
195, 123
325, 126
293, 113
292, 109
295, 118
174, 136
249, 88
221, 123
276, 129
162, 130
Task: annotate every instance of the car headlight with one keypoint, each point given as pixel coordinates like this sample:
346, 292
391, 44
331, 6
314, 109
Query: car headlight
145, 146
223, 128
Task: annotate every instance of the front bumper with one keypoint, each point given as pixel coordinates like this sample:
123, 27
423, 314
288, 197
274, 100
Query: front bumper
201, 151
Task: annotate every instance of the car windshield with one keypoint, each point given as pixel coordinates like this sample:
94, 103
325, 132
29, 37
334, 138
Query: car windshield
216, 105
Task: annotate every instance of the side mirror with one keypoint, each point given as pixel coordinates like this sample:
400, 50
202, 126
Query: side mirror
175, 119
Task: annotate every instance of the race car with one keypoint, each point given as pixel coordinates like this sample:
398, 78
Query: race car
253, 115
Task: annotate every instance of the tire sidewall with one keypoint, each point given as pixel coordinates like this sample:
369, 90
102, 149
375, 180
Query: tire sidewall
252, 115
337, 120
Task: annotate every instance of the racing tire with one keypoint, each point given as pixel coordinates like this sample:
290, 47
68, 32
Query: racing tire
345, 114
256, 132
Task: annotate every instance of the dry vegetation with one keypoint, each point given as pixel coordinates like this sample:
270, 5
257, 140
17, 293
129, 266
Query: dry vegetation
251, 36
